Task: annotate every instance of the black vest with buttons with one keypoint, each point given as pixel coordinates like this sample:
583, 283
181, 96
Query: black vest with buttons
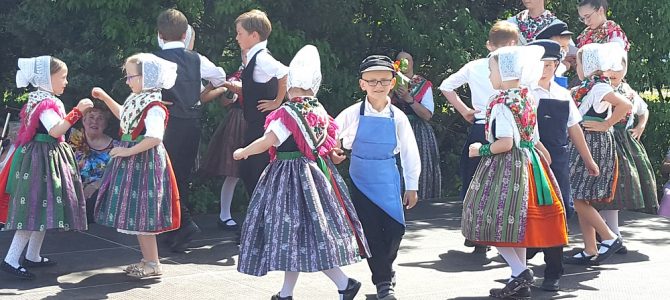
185, 93
253, 91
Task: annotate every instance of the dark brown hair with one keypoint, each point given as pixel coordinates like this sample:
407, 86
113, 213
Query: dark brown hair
255, 20
172, 25
597, 4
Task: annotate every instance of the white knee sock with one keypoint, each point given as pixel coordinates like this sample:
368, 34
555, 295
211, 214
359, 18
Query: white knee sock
290, 279
521, 254
227, 191
512, 259
338, 277
35, 245
611, 217
21, 238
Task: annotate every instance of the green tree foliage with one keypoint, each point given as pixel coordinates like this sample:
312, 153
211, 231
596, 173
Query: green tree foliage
93, 38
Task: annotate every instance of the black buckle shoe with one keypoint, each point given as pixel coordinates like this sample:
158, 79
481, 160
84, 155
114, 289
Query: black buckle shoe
611, 249
184, 236
385, 291
583, 259
550, 284
44, 262
223, 224
19, 272
278, 297
352, 289
523, 281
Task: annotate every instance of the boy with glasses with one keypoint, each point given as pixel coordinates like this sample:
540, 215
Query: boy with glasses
376, 132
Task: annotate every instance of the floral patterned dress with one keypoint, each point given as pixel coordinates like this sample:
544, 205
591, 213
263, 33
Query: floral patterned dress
513, 199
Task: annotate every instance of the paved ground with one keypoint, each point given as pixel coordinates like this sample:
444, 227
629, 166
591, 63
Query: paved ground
432, 264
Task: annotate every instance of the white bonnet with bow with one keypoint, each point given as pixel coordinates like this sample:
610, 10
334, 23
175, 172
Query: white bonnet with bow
157, 73
305, 70
35, 71
521, 63
601, 57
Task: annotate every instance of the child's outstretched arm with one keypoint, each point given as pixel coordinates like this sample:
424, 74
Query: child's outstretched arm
113, 105
260, 145
63, 125
210, 93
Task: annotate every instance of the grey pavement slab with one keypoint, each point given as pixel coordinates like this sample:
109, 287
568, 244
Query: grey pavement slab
432, 264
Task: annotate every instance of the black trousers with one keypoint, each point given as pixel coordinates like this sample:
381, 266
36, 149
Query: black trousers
468, 164
553, 259
383, 234
252, 167
181, 140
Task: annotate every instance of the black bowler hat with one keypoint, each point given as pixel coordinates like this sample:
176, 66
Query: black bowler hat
556, 29
376, 63
552, 50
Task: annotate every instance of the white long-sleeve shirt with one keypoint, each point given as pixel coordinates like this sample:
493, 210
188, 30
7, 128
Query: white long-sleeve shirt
348, 121
208, 71
267, 67
476, 75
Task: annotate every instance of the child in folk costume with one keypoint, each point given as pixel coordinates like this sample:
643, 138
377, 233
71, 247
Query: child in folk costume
476, 75
138, 194
599, 30
601, 108
558, 122
376, 131
636, 188
514, 201
41, 178
228, 137
416, 101
300, 217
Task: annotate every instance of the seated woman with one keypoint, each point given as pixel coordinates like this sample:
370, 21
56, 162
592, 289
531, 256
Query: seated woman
91, 149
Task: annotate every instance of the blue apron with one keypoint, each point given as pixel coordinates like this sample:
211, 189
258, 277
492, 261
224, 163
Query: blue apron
552, 121
373, 166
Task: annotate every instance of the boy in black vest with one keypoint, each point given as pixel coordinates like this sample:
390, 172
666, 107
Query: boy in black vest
182, 135
263, 87
558, 120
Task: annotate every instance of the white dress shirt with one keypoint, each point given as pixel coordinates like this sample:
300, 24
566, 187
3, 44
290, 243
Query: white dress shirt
476, 75
557, 92
348, 120
208, 70
267, 67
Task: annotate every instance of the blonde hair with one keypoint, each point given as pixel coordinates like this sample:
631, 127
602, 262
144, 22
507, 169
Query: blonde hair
255, 20
503, 33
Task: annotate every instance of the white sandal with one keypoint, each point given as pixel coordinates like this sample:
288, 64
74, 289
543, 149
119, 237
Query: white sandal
148, 269
130, 268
